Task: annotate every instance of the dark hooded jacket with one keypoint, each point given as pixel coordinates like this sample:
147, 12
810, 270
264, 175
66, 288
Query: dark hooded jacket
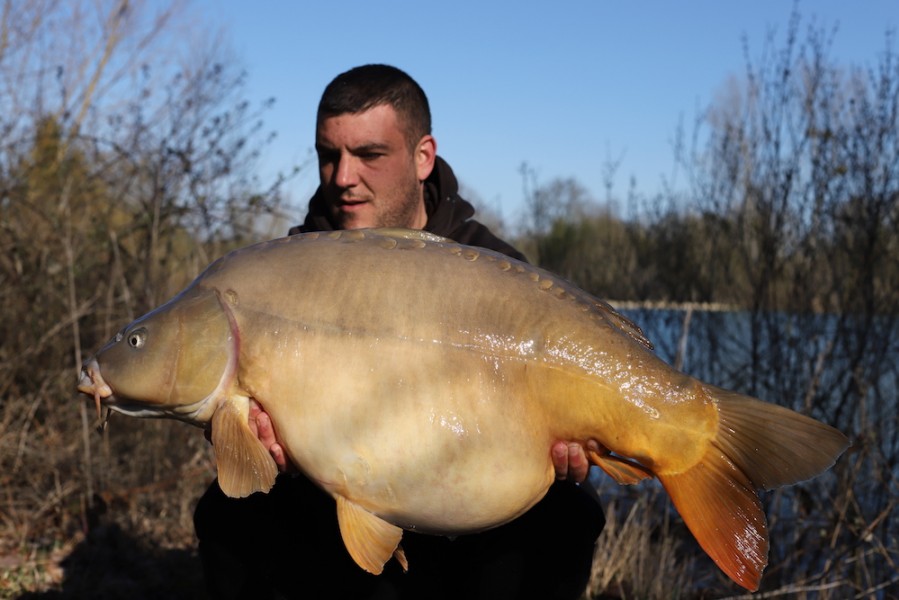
449, 215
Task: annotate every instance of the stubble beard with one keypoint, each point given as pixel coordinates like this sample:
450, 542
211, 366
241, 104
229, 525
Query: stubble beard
401, 211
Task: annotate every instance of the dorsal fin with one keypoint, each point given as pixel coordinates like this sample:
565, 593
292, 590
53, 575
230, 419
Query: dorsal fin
605, 311
623, 323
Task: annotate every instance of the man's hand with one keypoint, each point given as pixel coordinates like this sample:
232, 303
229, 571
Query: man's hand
261, 424
570, 460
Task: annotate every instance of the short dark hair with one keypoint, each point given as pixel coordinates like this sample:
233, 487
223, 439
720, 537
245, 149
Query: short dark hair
368, 86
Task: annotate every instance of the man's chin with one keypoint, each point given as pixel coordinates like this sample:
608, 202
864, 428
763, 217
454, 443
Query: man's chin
355, 223
356, 217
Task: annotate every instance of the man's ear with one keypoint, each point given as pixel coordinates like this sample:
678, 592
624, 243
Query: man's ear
425, 155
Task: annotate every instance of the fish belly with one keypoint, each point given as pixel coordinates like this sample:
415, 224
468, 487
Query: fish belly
428, 436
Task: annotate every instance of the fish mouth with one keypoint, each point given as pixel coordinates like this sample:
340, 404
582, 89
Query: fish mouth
92, 384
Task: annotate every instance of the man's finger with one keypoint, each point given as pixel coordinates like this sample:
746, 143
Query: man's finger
277, 453
578, 467
264, 429
560, 459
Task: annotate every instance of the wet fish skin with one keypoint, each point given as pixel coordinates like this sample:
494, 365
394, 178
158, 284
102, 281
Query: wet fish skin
422, 383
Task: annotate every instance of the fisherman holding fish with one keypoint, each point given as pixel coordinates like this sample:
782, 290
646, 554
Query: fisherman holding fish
378, 167
422, 410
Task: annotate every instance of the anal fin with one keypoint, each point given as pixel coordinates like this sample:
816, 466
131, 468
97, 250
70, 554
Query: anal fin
370, 540
244, 464
623, 471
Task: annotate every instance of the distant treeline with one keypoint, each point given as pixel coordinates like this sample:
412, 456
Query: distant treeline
847, 261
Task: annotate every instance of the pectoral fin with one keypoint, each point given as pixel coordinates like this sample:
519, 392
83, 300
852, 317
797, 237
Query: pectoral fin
370, 540
244, 464
623, 471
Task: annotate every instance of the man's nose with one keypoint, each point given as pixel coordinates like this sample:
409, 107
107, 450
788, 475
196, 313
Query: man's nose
346, 173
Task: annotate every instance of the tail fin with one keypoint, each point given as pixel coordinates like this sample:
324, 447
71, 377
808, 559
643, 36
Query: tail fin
758, 445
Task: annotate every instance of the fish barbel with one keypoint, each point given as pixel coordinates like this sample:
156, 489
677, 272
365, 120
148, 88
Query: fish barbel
422, 384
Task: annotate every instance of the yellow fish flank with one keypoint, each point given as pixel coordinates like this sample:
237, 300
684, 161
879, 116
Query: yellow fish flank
422, 383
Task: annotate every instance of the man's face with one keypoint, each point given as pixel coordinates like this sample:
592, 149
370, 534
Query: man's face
369, 175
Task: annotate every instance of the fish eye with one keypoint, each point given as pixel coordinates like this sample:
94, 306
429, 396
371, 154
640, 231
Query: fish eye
137, 337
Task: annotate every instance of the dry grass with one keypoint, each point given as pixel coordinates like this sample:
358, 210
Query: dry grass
640, 541
132, 539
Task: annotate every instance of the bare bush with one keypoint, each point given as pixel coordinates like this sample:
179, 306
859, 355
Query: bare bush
125, 167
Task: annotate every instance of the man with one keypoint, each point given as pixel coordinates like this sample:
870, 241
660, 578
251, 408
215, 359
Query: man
378, 167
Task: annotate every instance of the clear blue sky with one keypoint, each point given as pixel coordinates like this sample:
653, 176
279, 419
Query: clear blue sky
563, 85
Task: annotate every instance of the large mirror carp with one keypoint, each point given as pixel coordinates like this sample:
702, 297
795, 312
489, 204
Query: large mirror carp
422, 383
